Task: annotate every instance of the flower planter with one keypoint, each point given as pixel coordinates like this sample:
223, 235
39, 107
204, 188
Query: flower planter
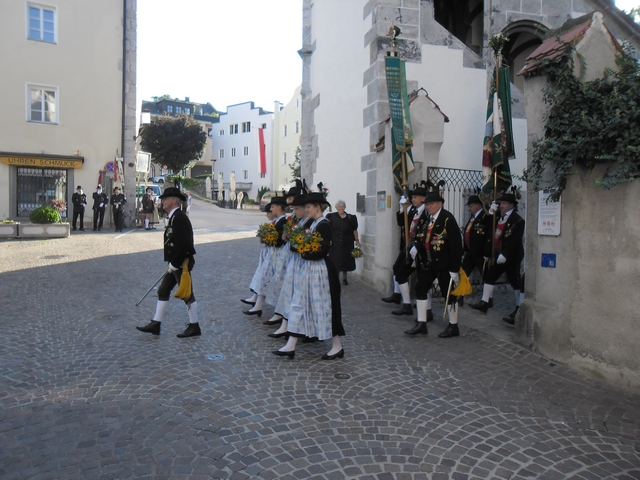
9, 230
45, 230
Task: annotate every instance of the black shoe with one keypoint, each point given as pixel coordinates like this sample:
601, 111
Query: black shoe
82, 229
290, 354
406, 309
193, 330
74, 229
429, 316
95, 229
419, 327
249, 312
152, 327
450, 331
340, 354
247, 302
460, 301
310, 340
481, 307
393, 298
278, 335
273, 322
511, 319
344, 281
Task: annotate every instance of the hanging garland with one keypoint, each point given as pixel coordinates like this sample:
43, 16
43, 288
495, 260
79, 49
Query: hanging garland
588, 123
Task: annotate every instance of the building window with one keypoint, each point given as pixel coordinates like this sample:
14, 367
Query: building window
221, 132
284, 159
297, 127
169, 108
263, 175
43, 104
245, 174
187, 111
264, 126
233, 129
221, 153
233, 151
285, 130
178, 110
245, 151
42, 23
246, 127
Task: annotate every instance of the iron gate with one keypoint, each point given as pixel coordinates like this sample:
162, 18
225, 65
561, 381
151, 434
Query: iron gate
38, 186
458, 186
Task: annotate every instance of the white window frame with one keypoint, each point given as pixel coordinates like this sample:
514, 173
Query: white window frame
187, 110
233, 151
245, 174
297, 127
221, 153
245, 151
284, 158
42, 7
221, 132
178, 110
233, 129
169, 108
43, 88
285, 131
264, 126
246, 127
263, 175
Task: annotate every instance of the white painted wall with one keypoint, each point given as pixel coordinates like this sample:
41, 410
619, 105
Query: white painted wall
237, 114
288, 115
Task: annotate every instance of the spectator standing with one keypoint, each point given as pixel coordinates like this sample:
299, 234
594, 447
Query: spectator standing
344, 234
79, 200
148, 207
100, 200
118, 201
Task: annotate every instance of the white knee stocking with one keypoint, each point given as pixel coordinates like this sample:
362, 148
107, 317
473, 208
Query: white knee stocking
429, 299
404, 290
453, 313
192, 309
396, 286
487, 292
421, 306
161, 307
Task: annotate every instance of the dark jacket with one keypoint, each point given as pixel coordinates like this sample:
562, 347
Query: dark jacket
280, 229
147, 204
400, 221
512, 235
445, 241
178, 239
480, 230
79, 201
119, 198
100, 198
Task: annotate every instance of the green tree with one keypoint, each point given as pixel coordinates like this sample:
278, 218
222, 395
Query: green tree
295, 166
173, 141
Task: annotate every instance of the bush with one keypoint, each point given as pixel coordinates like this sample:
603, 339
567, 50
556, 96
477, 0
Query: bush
44, 215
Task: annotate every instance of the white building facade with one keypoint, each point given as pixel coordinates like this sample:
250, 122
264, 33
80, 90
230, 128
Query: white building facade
242, 144
68, 97
286, 139
445, 45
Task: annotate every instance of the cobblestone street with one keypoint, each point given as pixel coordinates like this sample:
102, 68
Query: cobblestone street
85, 396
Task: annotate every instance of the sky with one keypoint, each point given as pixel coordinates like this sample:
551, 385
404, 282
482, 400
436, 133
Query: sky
219, 51
224, 51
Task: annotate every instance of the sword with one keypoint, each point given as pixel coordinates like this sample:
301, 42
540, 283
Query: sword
152, 286
446, 303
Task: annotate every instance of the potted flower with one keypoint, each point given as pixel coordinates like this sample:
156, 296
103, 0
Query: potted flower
47, 222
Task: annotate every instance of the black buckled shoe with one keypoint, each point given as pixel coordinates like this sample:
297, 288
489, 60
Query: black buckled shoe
482, 306
393, 298
152, 327
405, 309
418, 328
193, 330
450, 331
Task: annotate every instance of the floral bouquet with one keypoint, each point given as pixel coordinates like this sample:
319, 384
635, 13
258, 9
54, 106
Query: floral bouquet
292, 222
357, 252
267, 234
305, 241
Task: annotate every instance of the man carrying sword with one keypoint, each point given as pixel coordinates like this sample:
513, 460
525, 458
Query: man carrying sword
438, 253
179, 252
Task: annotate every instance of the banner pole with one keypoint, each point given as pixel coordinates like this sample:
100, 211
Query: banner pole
405, 206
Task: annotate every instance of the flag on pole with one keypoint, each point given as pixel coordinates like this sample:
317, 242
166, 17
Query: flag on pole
498, 135
401, 131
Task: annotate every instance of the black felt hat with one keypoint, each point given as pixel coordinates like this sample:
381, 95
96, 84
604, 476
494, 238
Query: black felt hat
315, 197
278, 201
474, 199
421, 191
433, 197
508, 197
173, 192
298, 201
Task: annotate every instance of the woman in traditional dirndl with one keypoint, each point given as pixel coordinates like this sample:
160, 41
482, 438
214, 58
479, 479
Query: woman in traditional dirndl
315, 309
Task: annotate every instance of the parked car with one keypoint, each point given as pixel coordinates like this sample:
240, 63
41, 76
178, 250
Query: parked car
266, 198
160, 179
142, 188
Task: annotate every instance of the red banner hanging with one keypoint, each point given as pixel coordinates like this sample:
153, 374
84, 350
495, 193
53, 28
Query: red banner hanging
263, 151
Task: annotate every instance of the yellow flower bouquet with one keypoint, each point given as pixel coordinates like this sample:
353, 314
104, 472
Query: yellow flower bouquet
356, 253
267, 234
305, 241
292, 222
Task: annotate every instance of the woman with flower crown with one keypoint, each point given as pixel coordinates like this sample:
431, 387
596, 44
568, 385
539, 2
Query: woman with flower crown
272, 238
315, 309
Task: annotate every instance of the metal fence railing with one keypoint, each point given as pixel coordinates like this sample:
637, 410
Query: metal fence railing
458, 187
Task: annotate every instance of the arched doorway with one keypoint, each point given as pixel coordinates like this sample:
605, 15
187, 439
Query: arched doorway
524, 37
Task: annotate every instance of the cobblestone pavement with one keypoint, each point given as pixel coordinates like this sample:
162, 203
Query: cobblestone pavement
83, 395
